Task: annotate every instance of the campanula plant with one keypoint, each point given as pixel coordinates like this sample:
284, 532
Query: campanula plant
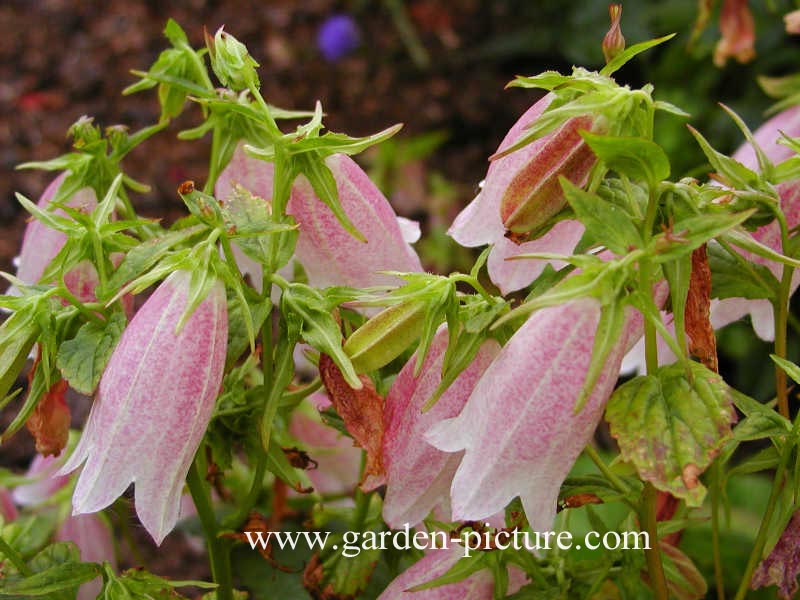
281, 359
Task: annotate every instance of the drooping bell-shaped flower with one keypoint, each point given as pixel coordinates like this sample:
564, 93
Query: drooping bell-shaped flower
519, 429
435, 563
153, 404
738, 33
731, 309
338, 461
418, 476
329, 253
522, 192
40, 243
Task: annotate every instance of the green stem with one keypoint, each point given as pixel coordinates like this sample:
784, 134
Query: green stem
252, 494
781, 322
618, 484
761, 537
649, 523
15, 557
716, 474
218, 550
647, 513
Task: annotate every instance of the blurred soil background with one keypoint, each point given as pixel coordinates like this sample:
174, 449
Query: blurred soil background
437, 67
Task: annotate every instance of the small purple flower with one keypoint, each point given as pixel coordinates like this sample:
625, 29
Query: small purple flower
337, 37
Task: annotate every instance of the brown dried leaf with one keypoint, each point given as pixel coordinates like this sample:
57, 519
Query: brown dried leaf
362, 413
702, 342
50, 420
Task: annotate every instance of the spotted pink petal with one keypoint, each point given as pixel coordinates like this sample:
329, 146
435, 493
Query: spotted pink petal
518, 429
92, 535
435, 563
418, 476
339, 461
152, 407
329, 254
767, 137
42, 471
480, 222
40, 243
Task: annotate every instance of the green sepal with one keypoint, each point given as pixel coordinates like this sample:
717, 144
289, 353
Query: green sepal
144, 256
609, 329
324, 185
319, 329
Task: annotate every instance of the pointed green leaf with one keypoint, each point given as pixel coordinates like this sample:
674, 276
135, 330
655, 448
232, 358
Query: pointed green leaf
637, 158
623, 57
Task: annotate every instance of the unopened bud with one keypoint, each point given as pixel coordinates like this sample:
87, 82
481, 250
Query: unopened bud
614, 42
384, 337
231, 61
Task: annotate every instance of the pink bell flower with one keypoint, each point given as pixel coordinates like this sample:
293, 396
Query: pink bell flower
41, 244
525, 182
731, 309
519, 429
44, 481
329, 254
152, 406
418, 476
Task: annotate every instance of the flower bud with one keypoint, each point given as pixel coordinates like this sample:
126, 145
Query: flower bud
531, 193
231, 61
738, 33
384, 337
614, 42
153, 405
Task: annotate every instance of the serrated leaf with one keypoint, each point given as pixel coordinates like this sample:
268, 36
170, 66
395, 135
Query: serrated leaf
693, 232
671, 428
638, 158
83, 359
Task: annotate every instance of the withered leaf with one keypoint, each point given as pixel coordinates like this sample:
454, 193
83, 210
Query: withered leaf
362, 413
702, 342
